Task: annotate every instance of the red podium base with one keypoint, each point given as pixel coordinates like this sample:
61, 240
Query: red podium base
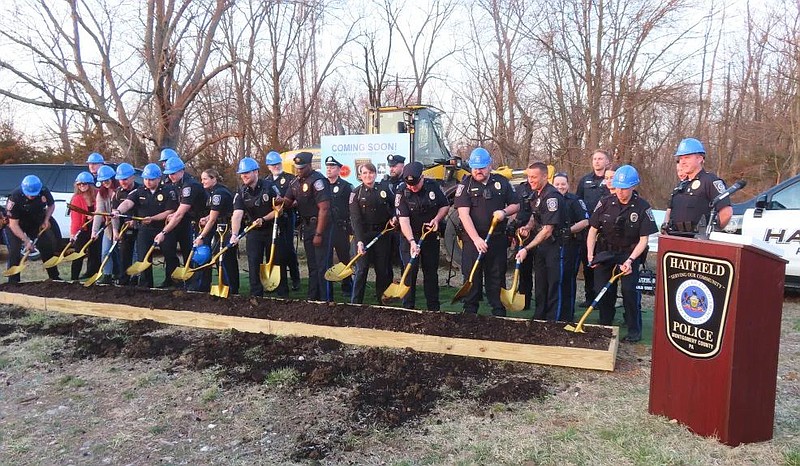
716, 338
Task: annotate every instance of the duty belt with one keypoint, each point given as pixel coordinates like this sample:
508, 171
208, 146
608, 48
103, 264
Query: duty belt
308, 220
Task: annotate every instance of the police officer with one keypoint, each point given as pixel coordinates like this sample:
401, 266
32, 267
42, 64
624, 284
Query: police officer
370, 209
393, 179
165, 155
546, 225
181, 225
480, 197
625, 220
312, 194
340, 210
126, 176
287, 219
577, 220
29, 209
693, 203
420, 203
155, 203
219, 203
524, 194
255, 200
590, 190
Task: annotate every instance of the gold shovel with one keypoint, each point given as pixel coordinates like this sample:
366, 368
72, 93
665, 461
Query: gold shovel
340, 271
269, 273
82, 252
185, 272
213, 260
399, 290
579, 326
468, 284
140, 266
511, 299
99, 273
13, 270
220, 290
55, 260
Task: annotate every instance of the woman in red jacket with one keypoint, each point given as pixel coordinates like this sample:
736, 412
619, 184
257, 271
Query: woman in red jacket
81, 228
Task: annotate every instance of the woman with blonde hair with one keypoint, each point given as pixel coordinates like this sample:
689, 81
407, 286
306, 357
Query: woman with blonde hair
100, 226
80, 231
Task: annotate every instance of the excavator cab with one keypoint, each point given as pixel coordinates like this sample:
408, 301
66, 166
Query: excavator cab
422, 122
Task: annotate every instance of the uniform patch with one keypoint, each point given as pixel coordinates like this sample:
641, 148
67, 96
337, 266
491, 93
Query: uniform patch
187, 191
496, 185
216, 199
649, 213
383, 194
583, 204
432, 195
695, 184
319, 185
335, 188
352, 196
634, 217
459, 190
305, 187
552, 204
9, 205
160, 197
397, 199
720, 185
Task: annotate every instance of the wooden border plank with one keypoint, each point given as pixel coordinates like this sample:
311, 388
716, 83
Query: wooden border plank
551, 355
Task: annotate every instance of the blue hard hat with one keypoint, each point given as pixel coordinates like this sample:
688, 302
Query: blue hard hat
95, 157
479, 158
246, 165
151, 171
690, 146
84, 177
167, 154
125, 171
201, 254
105, 173
173, 165
625, 177
31, 185
273, 158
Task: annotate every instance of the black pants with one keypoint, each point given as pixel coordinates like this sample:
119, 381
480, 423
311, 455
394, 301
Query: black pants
428, 261
144, 240
258, 246
46, 245
181, 237
379, 256
588, 274
286, 226
319, 260
340, 243
631, 297
548, 271
569, 282
526, 279
491, 274
92, 255
127, 247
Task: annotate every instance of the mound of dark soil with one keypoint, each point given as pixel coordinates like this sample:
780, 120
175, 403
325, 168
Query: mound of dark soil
330, 314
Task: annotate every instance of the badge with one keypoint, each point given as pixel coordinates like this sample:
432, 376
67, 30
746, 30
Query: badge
497, 185
459, 190
583, 204
160, 197
319, 185
265, 197
352, 196
10, 205
634, 217
216, 199
432, 195
552, 204
396, 199
383, 194
538, 201
335, 188
283, 181
44, 199
695, 184
305, 187
720, 185
649, 213
187, 191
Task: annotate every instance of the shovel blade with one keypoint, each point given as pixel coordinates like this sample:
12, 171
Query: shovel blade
220, 291
14, 270
137, 268
53, 261
572, 328
514, 302
182, 273
338, 272
271, 278
74, 256
93, 278
462, 292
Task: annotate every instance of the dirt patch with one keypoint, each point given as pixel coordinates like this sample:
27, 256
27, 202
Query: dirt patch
335, 315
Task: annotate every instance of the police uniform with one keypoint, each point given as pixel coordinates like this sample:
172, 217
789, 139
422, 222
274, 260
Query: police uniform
310, 192
286, 225
340, 222
590, 189
575, 210
621, 226
149, 204
370, 209
524, 194
220, 200
421, 207
548, 208
256, 202
395, 236
692, 203
31, 214
483, 200
190, 192
127, 243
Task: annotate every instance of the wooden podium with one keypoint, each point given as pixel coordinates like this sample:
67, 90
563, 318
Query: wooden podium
716, 338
